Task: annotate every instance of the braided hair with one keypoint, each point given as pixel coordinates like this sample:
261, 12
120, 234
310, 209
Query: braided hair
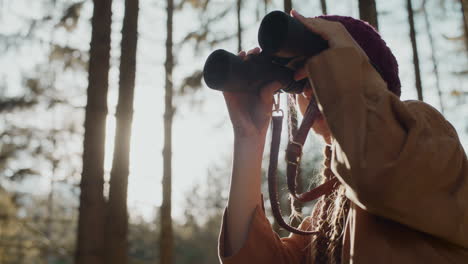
332, 212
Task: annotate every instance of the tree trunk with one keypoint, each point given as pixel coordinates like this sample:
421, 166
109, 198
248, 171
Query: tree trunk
239, 25
368, 12
287, 6
323, 4
116, 242
464, 9
50, 211
417, 72
166, 250
91, 219
433, 55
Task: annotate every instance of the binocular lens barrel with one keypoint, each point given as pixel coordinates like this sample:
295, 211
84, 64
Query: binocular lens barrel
280, 36
284, 36
220, 67
225, 71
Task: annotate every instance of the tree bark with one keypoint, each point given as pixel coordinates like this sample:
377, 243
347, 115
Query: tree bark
116, 241
239, 25
433, 55
166, 250
464, 9
287, 6
323, 4
368, 12
414, 45
91, 219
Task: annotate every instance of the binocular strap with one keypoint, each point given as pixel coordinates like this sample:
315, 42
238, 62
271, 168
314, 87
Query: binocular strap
293, 157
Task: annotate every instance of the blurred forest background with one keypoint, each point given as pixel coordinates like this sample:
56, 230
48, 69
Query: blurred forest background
112, 150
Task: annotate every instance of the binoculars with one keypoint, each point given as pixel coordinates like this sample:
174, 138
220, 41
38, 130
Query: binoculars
283, 39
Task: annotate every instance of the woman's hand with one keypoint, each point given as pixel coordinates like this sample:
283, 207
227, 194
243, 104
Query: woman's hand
250, 113
338, 37
334, 32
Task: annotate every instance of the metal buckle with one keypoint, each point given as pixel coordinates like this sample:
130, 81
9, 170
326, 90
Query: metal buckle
276, 106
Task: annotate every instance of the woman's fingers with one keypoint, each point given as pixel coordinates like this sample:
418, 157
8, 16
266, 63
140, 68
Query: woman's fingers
255, 50
333, 32
316, 25
242, 54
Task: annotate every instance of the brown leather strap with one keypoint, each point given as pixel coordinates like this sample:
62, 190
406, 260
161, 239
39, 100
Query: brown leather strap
294, 152
272, 182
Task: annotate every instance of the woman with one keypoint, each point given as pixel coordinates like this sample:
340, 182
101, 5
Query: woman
403, 194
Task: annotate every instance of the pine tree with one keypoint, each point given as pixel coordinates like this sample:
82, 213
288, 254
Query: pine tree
167, 240
368, 12
287, 6
433, 55
116, 241
239, 25
414, 45
464, 9
323, 5
90, 241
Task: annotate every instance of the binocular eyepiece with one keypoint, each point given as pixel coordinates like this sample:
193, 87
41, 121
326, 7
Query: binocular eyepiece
282, 39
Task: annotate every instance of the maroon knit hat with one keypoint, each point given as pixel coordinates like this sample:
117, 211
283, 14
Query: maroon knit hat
375, 48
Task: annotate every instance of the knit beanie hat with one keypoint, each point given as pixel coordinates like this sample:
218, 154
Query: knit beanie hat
375, 47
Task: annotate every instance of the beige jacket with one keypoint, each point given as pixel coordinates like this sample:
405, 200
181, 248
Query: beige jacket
403, 168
